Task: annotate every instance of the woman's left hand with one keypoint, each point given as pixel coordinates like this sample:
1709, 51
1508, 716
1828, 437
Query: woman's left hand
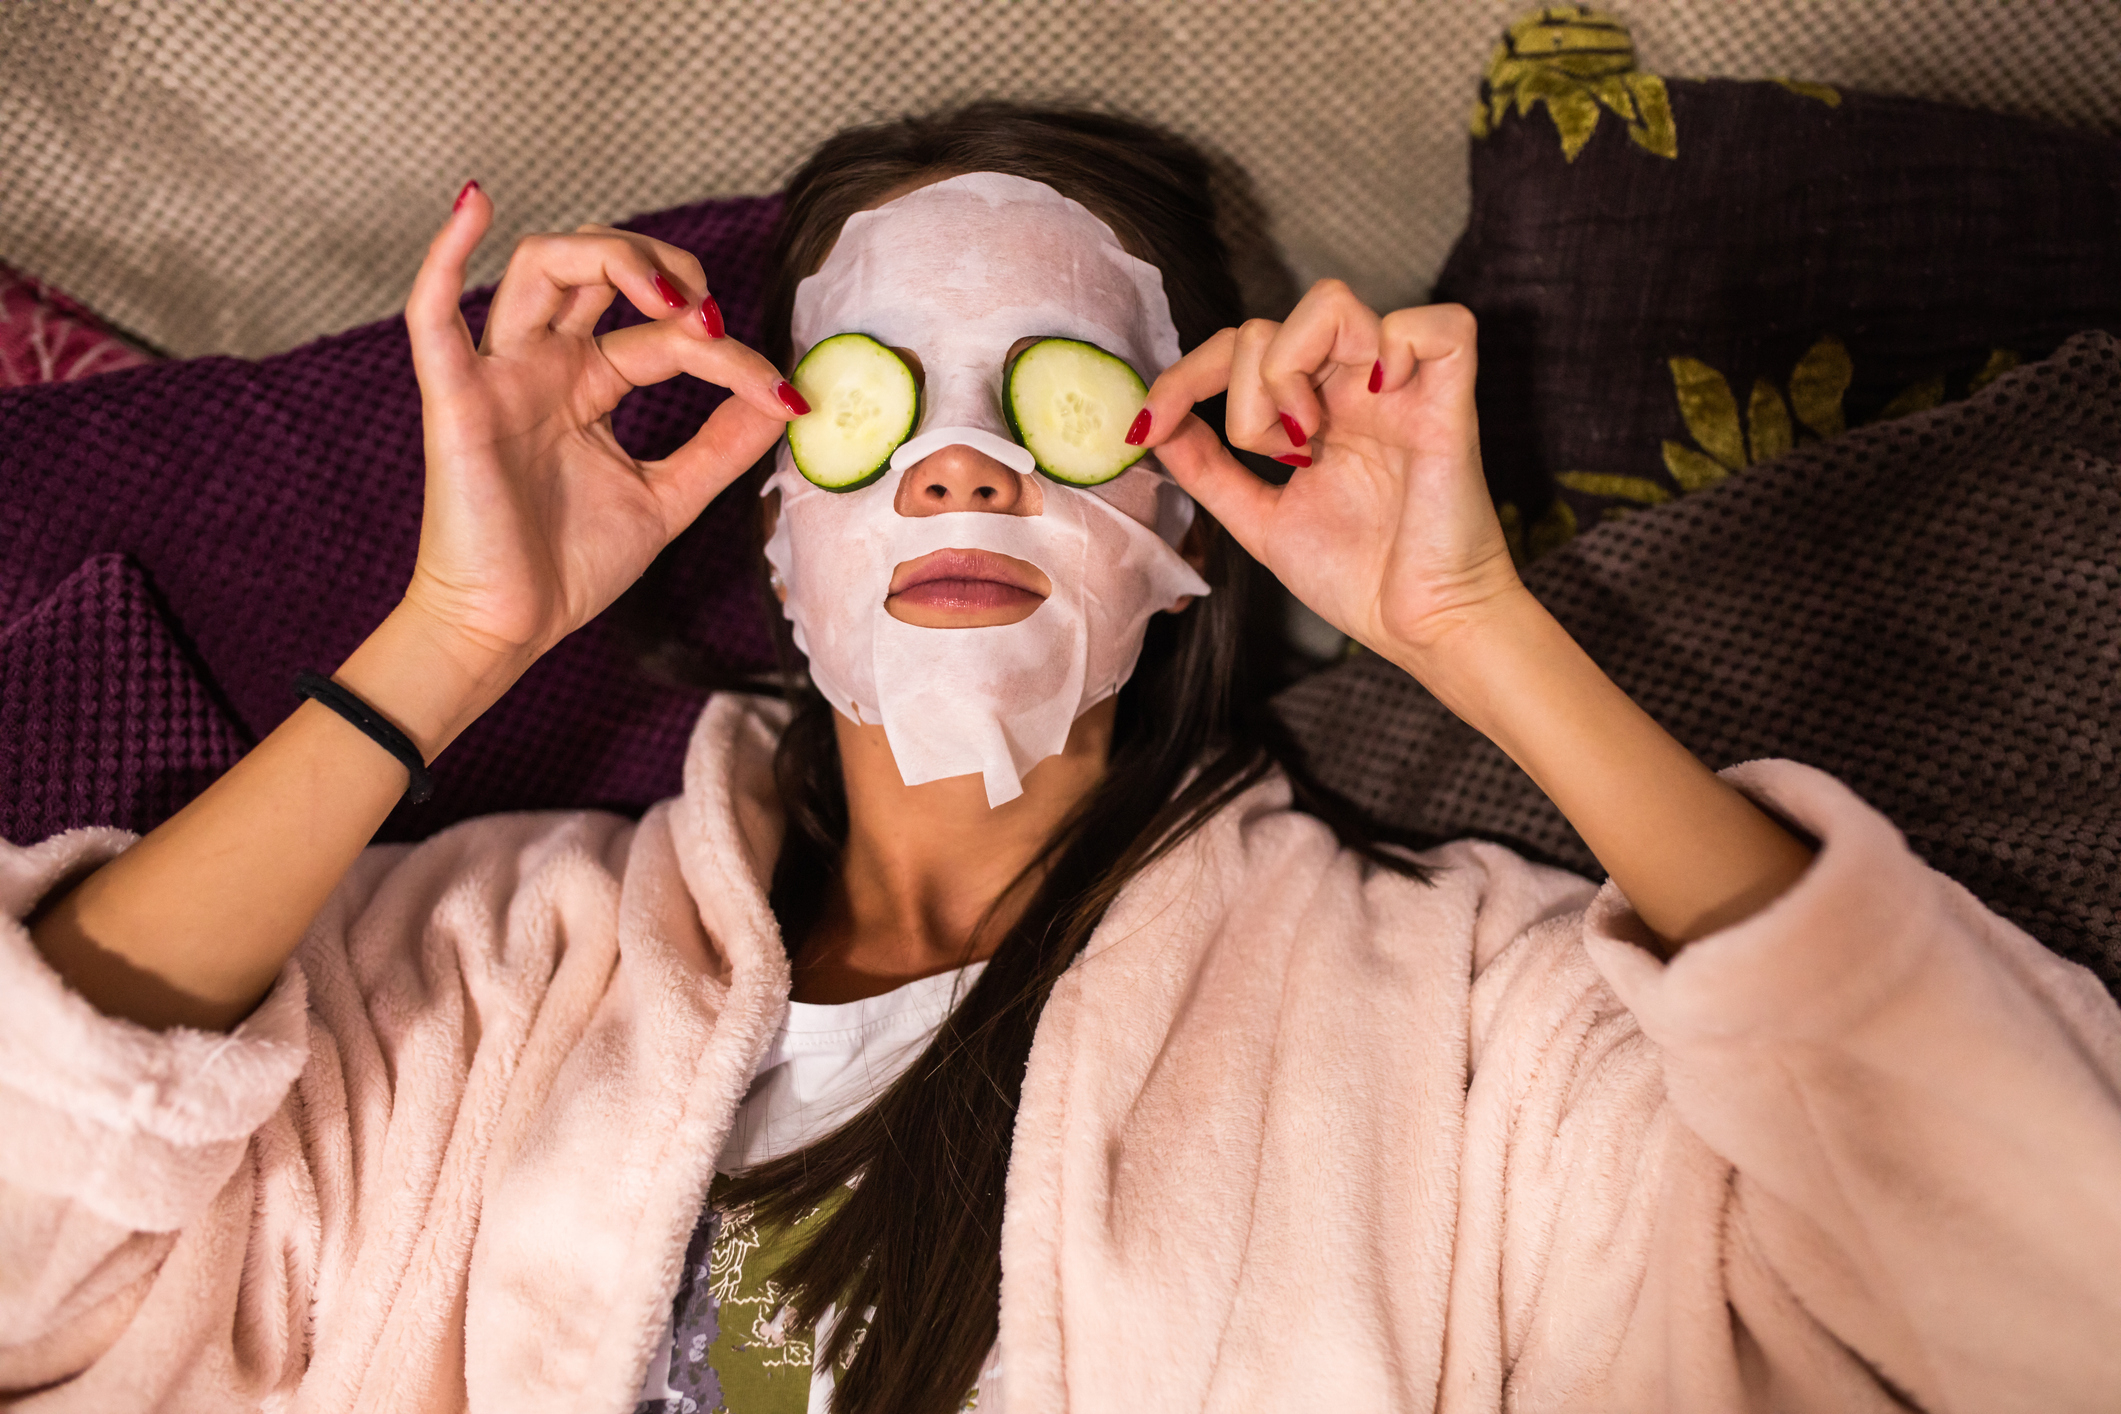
1386, 531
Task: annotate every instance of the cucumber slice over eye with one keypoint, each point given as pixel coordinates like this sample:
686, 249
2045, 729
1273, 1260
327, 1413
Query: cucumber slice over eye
1071, 403
863, 403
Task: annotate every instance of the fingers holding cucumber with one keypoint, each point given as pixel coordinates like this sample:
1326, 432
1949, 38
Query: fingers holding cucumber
536, 516
643, 354
1385, 527
559, 283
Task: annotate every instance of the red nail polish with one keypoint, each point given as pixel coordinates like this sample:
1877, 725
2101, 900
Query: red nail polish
790, 398
1295, 430
1293, 459
668, 291
1377, 376
1139, 432
711, 317
464, 194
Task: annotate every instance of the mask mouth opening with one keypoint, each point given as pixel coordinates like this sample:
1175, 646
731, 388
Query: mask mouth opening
956, 588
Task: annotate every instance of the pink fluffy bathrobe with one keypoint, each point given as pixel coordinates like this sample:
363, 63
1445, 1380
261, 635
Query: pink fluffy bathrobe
1295, 1134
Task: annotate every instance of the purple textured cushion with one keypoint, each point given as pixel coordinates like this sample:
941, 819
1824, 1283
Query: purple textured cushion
103, 717
273, 508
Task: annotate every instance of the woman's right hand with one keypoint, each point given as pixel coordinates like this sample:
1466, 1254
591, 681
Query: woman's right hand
536, 518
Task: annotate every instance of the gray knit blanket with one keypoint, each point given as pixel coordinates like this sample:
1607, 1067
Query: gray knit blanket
1928, 608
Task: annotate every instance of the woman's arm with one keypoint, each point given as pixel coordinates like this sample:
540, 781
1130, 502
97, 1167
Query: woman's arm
1386, 529
535, 519
190, 926
1691, 853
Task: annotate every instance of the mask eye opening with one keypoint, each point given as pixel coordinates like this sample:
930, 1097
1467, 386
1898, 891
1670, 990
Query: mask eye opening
1070, 406
912, 361
865, 400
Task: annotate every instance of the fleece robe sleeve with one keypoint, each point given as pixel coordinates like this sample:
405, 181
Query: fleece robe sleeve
1921, 1107
113, 1138
194, 1220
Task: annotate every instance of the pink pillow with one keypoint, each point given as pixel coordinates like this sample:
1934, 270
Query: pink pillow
46, 337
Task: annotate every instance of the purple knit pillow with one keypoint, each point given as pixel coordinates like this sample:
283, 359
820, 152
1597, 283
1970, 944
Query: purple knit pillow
178, 541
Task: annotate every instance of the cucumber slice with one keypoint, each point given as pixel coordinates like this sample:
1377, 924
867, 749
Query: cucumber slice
1071, 403
863, 404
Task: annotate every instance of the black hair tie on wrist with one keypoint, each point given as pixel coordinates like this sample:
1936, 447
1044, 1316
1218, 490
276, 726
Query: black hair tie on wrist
374, 726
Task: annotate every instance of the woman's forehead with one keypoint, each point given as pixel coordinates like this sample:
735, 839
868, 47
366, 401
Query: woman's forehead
985, 256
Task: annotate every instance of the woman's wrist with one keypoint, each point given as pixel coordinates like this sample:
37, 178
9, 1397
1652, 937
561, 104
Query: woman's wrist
1691, 853
430, 681
1487, 665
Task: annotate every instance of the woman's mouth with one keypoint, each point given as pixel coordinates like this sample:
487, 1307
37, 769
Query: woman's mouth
965, 589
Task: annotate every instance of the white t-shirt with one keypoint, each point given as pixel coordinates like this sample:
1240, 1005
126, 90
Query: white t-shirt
826, 1062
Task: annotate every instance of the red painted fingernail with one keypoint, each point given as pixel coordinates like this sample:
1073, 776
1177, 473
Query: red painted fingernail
668, 291
1293, 459
1377, 376
463, 195
790, 398
1294, 428
711, 317
1139, 432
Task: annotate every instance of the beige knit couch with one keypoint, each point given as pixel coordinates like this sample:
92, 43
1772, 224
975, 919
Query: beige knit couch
238, 177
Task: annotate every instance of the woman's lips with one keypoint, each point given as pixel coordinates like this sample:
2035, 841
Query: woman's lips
969, 581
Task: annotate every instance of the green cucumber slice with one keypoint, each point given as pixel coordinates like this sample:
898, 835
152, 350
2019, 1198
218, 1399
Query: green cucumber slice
863, 404
1071, 403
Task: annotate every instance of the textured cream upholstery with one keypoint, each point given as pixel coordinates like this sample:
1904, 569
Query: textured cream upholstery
229, 177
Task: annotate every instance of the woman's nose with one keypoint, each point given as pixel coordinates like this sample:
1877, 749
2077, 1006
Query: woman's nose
959, 478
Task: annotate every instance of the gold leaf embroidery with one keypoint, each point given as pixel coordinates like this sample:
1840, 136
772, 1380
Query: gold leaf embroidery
1578, 61
1627, 488
1768, 419
1915, 397
1692, 470
1576, 117
1711, 413
1655, 133
1512, 521
1556, 526
1818, 384
1825, 93
1612, 91
2000, 362
1552, 530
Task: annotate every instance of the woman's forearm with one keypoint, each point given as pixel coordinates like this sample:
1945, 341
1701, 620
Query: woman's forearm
1692, 854
190, 926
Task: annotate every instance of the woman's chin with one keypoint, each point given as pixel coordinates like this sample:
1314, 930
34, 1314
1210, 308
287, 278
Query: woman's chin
962, 604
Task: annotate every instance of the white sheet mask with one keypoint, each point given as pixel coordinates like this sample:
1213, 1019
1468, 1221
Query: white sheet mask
957, 272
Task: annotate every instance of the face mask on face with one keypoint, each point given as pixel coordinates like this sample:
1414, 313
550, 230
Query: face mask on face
957, 272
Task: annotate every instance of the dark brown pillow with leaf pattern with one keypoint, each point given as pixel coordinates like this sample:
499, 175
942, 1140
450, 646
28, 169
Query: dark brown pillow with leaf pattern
1677, 278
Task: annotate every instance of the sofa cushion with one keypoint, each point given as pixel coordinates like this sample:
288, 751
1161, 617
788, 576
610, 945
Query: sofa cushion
104, 717
275, 506
1929, 608
46, 337
1676, 279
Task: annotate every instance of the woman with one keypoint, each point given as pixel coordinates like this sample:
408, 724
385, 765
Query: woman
1234, 1110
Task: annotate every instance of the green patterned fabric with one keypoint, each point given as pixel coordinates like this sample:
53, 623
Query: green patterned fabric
736, 1345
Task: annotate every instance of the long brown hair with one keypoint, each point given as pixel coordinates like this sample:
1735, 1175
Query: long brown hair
919, 1237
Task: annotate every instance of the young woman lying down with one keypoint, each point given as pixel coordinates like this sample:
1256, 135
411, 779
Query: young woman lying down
996, 1020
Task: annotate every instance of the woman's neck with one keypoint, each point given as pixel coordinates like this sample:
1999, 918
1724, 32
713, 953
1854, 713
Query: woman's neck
923, 865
